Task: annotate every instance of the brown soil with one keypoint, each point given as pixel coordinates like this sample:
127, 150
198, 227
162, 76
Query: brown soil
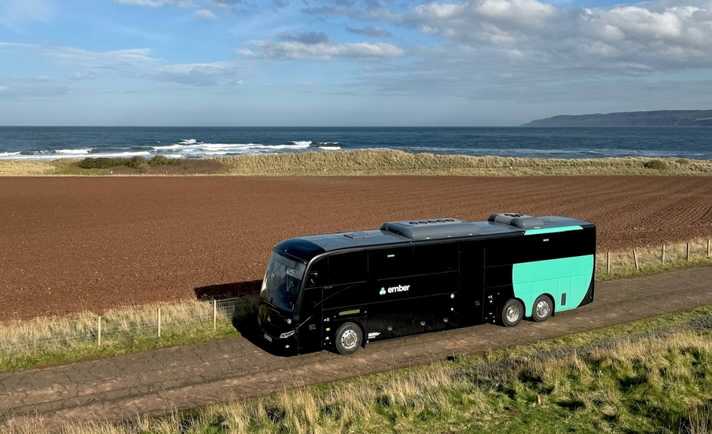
69, 244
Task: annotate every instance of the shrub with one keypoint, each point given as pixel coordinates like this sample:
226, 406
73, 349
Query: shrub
102, 163
160, 160
655, 165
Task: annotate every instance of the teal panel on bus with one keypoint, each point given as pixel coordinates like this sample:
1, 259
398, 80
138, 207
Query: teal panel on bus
552, 230
571, 276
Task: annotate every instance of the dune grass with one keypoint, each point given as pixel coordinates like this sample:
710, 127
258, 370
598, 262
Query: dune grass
362, 163
653, 375
46, 341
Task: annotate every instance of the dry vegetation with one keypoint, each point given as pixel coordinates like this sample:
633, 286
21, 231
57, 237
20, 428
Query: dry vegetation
368, 162
650, 376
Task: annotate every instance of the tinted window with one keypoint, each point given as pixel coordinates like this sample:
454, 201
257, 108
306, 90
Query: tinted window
392, 262
435, 258
347, 267
318, 273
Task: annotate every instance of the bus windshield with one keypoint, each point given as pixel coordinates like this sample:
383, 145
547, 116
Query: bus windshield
283, 278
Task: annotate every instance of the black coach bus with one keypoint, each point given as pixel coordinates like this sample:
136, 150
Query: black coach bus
339, 291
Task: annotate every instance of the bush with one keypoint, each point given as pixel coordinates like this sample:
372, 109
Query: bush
655, 165
137, 163
102, 163
160, 160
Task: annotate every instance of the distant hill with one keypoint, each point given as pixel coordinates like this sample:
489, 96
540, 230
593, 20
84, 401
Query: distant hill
660, 118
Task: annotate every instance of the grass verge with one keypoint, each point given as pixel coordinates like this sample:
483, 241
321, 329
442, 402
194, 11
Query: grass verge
53, 341
652, 375
359, 163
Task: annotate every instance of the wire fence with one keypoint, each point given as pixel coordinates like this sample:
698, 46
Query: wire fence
121, 327
128, 327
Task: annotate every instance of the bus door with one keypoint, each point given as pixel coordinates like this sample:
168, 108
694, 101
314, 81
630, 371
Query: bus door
344, 293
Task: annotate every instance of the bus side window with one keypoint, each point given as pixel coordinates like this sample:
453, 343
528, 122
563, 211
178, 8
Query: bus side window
347, 268
435, 258
388, 263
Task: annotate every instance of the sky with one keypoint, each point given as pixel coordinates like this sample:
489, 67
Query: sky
347, 62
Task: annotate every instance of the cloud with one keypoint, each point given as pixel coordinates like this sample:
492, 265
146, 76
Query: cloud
321, 50
199, 74
205, 14
642, 37
307, 38
133, 63
370, 31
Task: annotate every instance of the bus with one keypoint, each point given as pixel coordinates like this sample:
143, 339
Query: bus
340, 291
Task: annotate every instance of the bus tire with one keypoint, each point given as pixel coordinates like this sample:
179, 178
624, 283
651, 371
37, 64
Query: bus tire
348, 338
542, 309
511, 313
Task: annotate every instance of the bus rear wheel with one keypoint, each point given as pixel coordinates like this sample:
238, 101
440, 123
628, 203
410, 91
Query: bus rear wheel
512, 313
348, 339
543, 308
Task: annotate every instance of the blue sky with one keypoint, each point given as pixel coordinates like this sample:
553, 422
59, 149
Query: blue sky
347, 62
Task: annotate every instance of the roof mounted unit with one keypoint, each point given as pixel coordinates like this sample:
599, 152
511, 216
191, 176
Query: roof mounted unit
518, 220
427, 229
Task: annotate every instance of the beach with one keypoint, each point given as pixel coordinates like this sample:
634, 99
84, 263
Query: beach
76, 243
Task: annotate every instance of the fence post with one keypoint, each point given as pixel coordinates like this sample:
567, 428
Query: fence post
663, 255
215, 314
159, 322
608, 262
709, 248
635, 258
98, 331
687, 251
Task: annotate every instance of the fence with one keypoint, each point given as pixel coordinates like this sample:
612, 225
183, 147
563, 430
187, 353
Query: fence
173, 322
125, 327
651, 258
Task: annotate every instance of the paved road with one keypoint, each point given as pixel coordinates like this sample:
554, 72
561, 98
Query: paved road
175, 378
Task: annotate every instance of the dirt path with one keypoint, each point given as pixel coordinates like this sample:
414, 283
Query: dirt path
69, 244
185, 377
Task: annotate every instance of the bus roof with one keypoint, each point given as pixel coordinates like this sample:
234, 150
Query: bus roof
409, 231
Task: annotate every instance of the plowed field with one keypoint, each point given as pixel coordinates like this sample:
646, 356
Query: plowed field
68, 244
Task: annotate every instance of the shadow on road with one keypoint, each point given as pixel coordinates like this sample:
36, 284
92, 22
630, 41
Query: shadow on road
242, 308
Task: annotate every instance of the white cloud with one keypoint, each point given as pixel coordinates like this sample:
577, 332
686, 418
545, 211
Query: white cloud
132, 63
323, 50
205, 14
646, 36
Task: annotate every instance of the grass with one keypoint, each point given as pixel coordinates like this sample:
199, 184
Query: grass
47, 341
361, 162
58, 340
653, 375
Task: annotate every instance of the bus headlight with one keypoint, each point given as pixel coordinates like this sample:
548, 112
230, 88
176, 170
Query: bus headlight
286, 335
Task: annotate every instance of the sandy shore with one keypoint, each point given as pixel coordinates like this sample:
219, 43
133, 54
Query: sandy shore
69, 244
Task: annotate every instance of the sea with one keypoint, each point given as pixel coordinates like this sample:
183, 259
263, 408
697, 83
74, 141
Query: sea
36, 143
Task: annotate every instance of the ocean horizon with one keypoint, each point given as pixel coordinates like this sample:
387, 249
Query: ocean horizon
55, 142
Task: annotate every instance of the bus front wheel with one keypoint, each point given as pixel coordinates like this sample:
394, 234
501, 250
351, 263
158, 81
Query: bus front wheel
348, 339
512, 313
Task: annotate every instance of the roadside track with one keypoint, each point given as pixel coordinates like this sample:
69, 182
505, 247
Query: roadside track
163, 380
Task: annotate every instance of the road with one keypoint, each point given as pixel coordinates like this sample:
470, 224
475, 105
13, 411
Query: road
159, 381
